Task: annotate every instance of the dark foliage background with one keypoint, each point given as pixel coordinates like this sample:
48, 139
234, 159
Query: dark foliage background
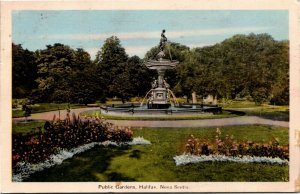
253, 66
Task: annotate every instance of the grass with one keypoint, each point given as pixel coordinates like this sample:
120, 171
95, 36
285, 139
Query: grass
273, 112
225, 114
239, 104
155, 162
17, 113
28, 127
279, 113
45, 107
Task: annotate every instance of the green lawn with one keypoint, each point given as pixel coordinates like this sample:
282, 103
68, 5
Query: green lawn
225, 114
17, 113
280, 113
45, 107
239, 104
155, 162
23, 128
250, 108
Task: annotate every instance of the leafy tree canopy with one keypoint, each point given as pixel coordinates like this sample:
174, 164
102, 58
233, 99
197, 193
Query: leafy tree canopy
24, 70
253, 66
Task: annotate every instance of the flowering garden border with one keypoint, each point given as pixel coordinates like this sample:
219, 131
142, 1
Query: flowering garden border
228, 150
227, 146
25, 169
59, 134
185, 159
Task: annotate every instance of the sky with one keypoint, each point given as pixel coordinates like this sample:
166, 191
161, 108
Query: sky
139, 30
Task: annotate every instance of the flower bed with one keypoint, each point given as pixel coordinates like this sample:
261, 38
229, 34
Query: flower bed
65, 134
188, 159
227, 149
23, 170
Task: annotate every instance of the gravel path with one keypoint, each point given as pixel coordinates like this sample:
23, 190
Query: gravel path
49, 115
242, 120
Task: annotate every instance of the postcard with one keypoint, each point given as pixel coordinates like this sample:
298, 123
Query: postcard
150, 96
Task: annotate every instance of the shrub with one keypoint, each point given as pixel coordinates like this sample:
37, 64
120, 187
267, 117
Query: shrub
65, 134
260, 95
229, 147
16, 103
27, 110
281, 98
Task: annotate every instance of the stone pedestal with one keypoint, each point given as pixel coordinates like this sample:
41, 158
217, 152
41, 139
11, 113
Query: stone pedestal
159, 98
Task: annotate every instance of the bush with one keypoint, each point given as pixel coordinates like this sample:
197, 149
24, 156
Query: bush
16, 103
260, 95
281, 98
65, 134
229, 147
27, 110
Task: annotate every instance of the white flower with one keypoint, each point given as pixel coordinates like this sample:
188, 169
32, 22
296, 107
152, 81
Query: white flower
187, 159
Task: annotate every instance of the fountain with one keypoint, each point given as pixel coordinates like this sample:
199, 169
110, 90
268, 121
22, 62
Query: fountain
160, 92
160, 99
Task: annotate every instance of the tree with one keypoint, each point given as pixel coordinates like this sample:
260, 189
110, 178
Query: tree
186, 76
61, 77
280, 70
263, 71
208, 66
121, 86
139, 76
55, 64
84, 88
133, 79
82, 59
255, 65
111, 61
24, 72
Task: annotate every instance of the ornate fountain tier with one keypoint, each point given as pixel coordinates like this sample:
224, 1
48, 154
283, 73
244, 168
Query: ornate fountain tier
161, 64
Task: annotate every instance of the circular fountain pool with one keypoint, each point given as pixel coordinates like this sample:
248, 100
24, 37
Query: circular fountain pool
144, 110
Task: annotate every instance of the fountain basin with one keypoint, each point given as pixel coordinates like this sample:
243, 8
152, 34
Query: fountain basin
144, 110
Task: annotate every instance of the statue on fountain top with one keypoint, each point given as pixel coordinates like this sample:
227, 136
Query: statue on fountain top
162, 44
163, 40
161, 62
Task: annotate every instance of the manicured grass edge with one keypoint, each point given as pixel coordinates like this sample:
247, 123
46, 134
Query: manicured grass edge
228, 114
